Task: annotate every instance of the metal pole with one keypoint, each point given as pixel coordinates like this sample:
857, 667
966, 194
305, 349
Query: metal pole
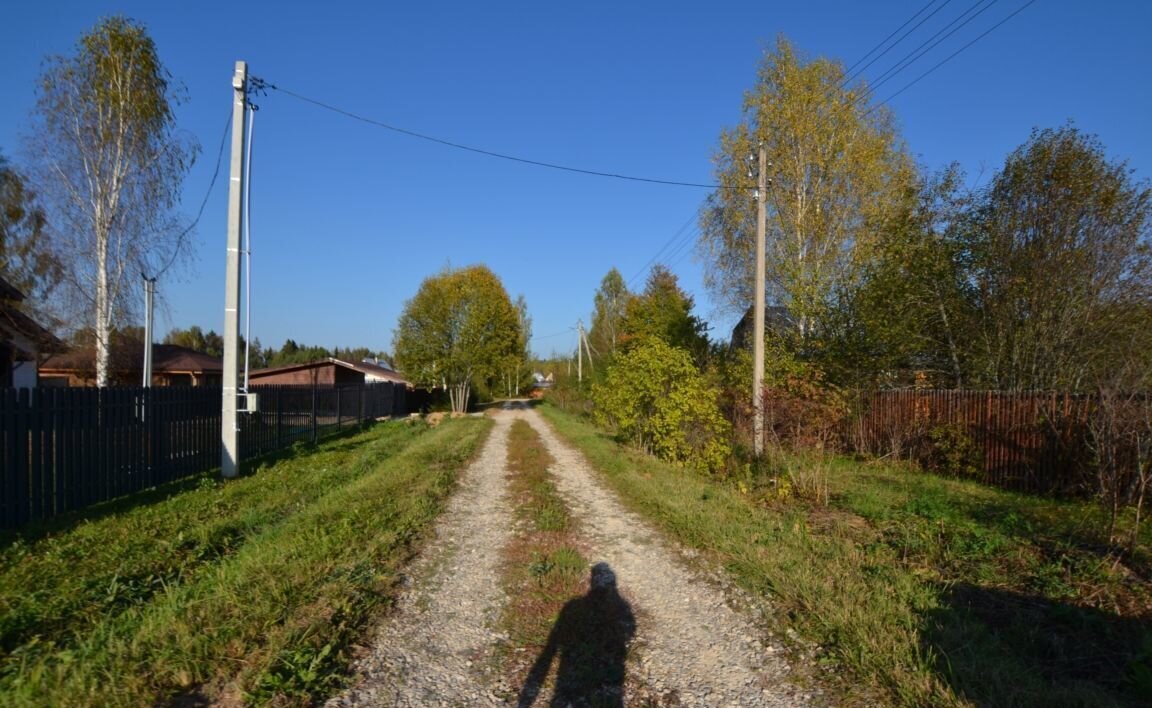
229, 428
758, 307
149, 294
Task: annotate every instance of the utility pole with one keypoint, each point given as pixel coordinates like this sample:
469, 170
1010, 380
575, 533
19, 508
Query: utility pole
229, 421
149, 295
579, 351
758, 306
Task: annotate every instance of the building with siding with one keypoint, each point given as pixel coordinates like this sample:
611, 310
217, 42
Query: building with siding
326, 372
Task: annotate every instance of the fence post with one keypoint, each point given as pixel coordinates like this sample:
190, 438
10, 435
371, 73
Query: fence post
279, 417
20, 448
315, 412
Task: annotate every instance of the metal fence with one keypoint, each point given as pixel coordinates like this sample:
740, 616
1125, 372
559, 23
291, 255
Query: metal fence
64, 449
1035, 442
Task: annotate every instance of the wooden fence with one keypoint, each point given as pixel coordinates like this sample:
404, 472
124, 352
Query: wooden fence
63, 449
1035, 442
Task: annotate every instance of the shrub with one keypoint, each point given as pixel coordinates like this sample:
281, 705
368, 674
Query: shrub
802, 411
952, 451
654, 397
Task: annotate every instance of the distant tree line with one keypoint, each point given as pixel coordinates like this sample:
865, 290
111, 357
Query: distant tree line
266, 357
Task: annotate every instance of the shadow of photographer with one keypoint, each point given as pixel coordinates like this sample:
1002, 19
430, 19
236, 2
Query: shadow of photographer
591, 637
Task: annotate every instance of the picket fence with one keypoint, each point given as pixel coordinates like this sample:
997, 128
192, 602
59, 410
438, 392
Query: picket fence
65, 449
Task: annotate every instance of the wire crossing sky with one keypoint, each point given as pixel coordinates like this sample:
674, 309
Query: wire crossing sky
604, 115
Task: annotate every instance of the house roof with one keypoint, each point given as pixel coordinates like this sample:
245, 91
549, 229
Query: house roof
128, 355
14, 320
8, 291
375, 370
368, 369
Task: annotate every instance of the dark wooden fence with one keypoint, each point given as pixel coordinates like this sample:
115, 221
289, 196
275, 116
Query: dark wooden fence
63, 449
1035, 442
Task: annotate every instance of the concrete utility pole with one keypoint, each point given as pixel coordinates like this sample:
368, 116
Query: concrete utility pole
579, 351
229, 421
149, 295
758, 306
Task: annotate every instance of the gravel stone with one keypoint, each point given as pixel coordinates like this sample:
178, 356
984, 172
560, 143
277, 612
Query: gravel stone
692, 645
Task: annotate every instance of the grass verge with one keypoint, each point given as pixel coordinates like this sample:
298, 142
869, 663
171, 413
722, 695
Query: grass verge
920, 590
245, 592
543, 565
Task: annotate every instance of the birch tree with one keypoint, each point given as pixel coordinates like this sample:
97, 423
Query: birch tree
610, 305
836, 165
459, 330
110, 166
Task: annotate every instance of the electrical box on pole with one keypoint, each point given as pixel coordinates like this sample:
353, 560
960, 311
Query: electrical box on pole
229, 419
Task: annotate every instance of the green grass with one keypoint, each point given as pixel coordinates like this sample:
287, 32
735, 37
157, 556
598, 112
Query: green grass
248, 591
543, 565
922, 590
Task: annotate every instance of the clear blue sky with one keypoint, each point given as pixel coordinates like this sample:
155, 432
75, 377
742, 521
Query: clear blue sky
348, 219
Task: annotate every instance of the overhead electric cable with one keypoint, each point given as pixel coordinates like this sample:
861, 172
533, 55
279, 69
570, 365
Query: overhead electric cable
849, 71
948, 58
480, 151
668, 243
203, 203
928, 44
550, 336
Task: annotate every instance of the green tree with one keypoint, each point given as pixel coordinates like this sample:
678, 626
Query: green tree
294, 353
610, 305
914, 311
27, 261
663, 311
653, 396
197, 339
519, 365
212, 344
110, 167
459, 330
1061, 265
836, 168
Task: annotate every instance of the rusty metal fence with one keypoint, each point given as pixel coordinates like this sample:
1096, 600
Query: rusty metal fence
1034, 442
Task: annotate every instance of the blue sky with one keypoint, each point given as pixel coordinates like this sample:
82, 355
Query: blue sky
348, 219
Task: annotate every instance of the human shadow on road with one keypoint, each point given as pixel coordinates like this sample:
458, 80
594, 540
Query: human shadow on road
591, 638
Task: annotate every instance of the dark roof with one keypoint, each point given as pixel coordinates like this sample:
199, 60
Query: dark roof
365, 368
15, 320
8, 291
171, 357
128, 355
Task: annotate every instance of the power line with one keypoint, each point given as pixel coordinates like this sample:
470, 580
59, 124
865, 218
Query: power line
203, 204
685, 250
948, 58
848, 71
928, 44
480, 151
668, 243
553, 335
